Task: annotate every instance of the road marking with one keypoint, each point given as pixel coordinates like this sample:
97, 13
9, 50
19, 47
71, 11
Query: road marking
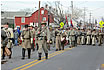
40, 61
102, 65
50, 55
43, 60
31, 62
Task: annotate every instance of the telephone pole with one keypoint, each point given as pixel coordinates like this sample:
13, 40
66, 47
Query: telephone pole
39, 16
90, 19
84, 14
72, 9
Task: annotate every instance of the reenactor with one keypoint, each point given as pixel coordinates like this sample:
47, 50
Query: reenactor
72, 37
69, 36
66, 33
75, 36
85, 31
63, 39
83, 37
58, 39
10, 40
100, 38
32, 30
10, 36
51, 37
43, 35
93, 37
88, 37
4, 41
78, 36
36, 38
26, 37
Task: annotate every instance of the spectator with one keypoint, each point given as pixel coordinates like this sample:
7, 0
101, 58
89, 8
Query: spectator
16, 37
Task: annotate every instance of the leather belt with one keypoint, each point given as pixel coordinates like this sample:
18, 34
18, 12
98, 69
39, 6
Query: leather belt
26, 38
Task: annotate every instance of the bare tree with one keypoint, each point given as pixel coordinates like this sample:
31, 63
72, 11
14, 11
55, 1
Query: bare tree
77, 13
102, 18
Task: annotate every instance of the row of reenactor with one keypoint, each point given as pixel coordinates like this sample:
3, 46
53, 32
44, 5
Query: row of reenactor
88, 37
42, 37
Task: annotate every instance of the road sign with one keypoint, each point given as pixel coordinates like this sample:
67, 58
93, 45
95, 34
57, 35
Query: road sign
61, 24
101, 24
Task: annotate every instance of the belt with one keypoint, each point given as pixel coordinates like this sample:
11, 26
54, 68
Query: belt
88, 35
71, 35
93, 35
41, 37
57, 35
26, 38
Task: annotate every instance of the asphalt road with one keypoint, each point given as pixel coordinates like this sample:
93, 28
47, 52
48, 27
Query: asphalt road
83, 57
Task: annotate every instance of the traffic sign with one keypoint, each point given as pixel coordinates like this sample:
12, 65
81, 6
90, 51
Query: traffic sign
101, 24
61, 24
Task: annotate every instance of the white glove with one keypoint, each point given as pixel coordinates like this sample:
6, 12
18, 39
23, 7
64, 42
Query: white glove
10, 40
22, 39
31, 40
47, 41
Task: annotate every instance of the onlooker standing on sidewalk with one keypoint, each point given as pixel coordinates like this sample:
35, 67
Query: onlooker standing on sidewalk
16, 37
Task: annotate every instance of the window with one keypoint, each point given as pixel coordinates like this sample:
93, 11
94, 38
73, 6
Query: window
22, 20
44, 19
42, 11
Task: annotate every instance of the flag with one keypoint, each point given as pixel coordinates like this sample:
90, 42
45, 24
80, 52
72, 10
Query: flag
71, 23
66, 20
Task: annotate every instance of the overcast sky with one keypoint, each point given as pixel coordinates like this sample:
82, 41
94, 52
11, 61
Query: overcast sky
95, 7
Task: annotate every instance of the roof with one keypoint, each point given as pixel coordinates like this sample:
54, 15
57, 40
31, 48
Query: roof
37, 10
11, 14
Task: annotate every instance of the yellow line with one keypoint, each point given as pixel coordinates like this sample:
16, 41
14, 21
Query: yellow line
33, 61
44, 59
40, 61
102, 65
37, 60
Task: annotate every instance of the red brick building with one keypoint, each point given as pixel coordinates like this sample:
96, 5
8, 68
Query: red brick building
33, 19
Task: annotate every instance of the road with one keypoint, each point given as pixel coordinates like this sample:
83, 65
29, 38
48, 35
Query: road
82, 57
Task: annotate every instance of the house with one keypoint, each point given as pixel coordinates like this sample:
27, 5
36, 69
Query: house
32, 19
9, 16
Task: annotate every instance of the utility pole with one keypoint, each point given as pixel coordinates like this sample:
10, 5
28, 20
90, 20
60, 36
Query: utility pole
39, 16
90, 19
84, 14
72, 9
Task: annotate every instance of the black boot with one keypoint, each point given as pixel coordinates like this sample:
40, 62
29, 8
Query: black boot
39, 56
22, 58
49, 48
3, 55
62, 47
23, 54
56, 50
46, 54
29, 53
37, 46
10, 57
11, 53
